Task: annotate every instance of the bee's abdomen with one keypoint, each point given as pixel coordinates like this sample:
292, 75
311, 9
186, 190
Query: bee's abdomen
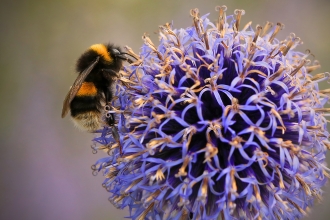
87, 89
89, 121
81, 104
85, 108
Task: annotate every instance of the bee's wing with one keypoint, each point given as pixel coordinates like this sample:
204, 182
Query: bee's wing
76, 86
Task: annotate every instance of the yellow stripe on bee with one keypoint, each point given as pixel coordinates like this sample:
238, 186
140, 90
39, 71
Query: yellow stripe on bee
102, 50
87, 89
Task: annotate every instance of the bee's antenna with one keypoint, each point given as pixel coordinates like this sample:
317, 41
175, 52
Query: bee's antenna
128, 59
128, 54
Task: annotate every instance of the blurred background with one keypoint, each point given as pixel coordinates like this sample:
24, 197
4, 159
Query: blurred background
45, 162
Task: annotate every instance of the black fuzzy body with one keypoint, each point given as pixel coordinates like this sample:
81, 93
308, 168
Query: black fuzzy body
86, 109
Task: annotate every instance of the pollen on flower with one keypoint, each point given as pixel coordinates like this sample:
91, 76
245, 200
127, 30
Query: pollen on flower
218, 120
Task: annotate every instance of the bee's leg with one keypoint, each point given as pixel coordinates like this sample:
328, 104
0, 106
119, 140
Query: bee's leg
116, 136
110, 117
110, 120
129, 61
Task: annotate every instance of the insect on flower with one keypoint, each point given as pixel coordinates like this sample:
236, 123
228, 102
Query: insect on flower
97, 68
218, 121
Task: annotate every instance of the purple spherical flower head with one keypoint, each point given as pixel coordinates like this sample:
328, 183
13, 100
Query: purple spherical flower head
217, 122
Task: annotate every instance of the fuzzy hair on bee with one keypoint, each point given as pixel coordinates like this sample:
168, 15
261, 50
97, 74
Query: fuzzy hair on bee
97, 69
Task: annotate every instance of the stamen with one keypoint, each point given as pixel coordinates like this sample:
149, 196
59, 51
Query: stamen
300, 93
284, 203
297, 206
216, 65
278, 116
263, 156
238, 13
195, 14
145, 212
133, 184
327, 144
279, 26
152, 196
225, 45
167, 30
201, 58
249, 63
255, 71
236, 142
326, 174
317, 195
160, 174
257, 193
269, 89
189, 132
222, 214
131, 156
131, 52
304, 185
112, 173
202, 194
182, 171
149, 43
289, 44
206, 40
271, 56
296, 70
221, 19
324, 110
163, 85
259, 132
316, 65
314, 127
154, 143
233, 181
280, 178
268, 25
117, 199
276, 215
288, 144
216, 127
257, 33
320, 76
246, 26
234, 107
210, 152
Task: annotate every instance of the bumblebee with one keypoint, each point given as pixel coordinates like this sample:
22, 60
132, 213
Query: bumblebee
98, 69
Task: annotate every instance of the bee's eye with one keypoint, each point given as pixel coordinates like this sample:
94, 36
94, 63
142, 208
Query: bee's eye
115, 52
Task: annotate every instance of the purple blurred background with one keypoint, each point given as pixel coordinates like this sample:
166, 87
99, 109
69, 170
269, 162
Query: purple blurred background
45, 162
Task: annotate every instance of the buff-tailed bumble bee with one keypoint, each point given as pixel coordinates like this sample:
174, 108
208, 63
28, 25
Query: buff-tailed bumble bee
98, 69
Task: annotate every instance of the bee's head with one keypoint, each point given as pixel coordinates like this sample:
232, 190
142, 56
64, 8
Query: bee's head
119, 55
110, 56
116, 57
116, 53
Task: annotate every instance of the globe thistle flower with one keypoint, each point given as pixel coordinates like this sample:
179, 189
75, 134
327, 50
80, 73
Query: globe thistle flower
217, 122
